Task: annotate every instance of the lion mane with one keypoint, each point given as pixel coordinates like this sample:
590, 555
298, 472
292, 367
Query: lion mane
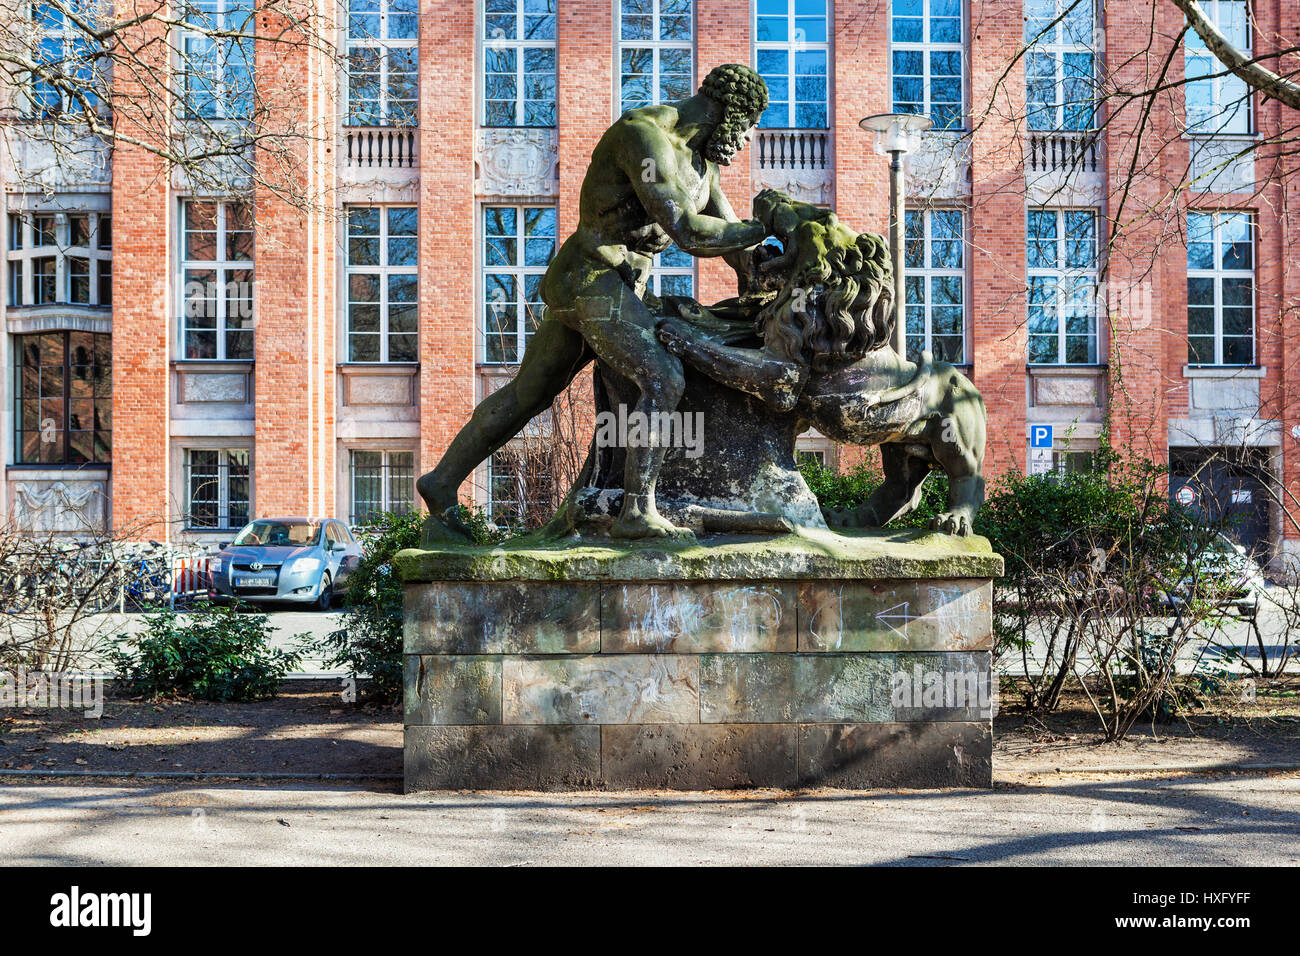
834, 313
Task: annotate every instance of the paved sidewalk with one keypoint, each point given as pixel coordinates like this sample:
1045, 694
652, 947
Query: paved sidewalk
1235, 820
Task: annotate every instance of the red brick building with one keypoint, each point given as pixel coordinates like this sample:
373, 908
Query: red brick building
1104, 259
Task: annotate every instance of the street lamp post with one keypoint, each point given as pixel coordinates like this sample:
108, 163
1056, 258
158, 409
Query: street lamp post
897, 134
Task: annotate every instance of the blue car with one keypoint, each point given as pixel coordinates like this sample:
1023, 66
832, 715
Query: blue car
302, 560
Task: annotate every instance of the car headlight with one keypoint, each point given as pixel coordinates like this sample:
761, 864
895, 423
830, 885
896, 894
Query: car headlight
304, 565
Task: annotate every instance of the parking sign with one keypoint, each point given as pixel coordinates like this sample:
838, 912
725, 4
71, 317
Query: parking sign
1040, 436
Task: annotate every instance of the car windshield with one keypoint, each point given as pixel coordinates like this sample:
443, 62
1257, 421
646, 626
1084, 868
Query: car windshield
270, 533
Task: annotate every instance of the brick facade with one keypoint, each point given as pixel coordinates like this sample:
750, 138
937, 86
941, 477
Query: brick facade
308, 407
143, 343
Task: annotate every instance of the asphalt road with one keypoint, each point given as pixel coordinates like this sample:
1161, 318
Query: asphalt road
1239, 821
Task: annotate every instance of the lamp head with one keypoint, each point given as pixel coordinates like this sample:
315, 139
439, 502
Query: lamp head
896, 132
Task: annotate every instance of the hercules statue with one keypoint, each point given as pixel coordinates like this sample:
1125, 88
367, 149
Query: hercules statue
653, 180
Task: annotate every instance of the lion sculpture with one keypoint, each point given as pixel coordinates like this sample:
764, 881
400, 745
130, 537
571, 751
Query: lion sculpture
822, 307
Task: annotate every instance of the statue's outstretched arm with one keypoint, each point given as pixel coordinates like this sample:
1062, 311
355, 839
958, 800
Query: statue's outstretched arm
756, 372
740, 260
651, 166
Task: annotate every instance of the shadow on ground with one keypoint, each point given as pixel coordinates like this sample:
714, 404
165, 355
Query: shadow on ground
307, 729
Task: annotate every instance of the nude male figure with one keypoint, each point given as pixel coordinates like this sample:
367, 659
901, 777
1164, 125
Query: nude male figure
653, 180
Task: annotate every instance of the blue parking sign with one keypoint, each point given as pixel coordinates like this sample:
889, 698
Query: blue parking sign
1040, 436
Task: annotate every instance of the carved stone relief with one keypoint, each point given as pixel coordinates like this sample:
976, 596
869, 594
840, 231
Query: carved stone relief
517, 162
74, 506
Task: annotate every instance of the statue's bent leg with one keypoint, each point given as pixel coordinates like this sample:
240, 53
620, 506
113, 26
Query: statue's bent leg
620, 329
555, 354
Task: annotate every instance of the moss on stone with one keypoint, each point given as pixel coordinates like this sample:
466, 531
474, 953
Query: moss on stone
811, 554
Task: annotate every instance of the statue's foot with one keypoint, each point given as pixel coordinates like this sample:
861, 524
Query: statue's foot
446, 528
646, 525
952, 522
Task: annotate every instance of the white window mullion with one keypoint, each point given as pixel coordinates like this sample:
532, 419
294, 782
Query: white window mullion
1065, 277
923, 34
518, 271
932, 273
508, 32
665, 36
1221, 252
789, 20
1058, 31
22, 252
1219, 102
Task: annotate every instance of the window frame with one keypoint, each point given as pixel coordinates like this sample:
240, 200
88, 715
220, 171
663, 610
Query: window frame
382, 43
75, 47
1057, 48
1217, 274
221, 267
387, 467
520, 45
792, 46
100, 340
520, 272
928, 271
384, 270
223, 90
1062, 289
656, 45
21, 228
520, 504
926, 46
1220, 79
659, 271
224, 498
492, 502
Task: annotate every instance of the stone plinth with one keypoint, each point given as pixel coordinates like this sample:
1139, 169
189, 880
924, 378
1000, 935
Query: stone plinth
859, 660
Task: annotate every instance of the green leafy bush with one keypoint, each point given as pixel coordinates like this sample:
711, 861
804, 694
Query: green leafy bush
369, 643
213, 653
1096, 562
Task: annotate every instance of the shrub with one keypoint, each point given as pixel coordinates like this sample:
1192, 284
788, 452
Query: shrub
213, 653
838, 490
1104, 582
369, 643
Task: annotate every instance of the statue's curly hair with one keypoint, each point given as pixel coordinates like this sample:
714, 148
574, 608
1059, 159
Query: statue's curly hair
742, 94
736, 86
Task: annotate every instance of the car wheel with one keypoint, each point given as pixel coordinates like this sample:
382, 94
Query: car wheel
326, 598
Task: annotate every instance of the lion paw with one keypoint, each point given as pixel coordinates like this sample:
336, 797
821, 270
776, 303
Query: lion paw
951, 522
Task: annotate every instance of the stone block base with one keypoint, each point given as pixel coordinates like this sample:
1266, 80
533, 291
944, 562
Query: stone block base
699, 756
648, 673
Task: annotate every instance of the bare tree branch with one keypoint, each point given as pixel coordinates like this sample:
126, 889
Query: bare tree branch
1255, 74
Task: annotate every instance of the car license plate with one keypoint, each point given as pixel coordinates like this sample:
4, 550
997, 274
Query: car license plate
262, 582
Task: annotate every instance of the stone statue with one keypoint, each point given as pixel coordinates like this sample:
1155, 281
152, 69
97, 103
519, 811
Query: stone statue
805, 343
653, 180
614, 648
